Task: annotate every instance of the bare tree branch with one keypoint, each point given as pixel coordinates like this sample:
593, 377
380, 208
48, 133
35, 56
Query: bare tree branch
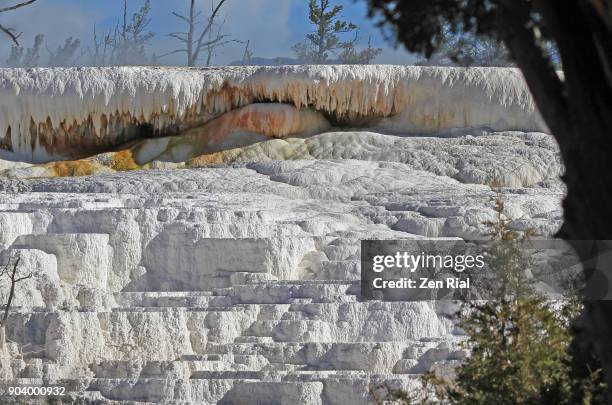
230, 41
173, 52
181, 17
216, 42
209, 26
24, 278
195, 44
11, 34
16, 6
10, 31
7, 308
177, 35
15, 266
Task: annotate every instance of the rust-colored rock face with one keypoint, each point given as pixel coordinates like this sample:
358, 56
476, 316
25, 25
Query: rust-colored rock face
241, 127
75, 140
270, 120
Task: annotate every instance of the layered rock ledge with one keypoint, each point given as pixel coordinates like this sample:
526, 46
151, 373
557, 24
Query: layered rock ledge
48, 114
228, 271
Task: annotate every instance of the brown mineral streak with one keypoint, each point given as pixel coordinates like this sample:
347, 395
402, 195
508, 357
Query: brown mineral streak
346, 97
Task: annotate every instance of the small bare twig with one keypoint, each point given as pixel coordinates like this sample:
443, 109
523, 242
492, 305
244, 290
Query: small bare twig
21, 354
10, 31
173, 53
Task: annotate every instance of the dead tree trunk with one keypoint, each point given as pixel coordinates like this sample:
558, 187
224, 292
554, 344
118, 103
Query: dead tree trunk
195, 44
11, 271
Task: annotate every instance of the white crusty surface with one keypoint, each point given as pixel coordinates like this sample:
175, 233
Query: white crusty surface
219, 284
238, 282
408, 99
515, 159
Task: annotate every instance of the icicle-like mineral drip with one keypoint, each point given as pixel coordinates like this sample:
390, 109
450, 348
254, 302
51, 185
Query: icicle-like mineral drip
410, 99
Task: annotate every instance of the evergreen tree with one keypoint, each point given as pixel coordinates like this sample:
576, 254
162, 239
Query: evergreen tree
521, 349
126, 43
541, 36
20, 57
351, 56
65, 54
325, 38
130, 40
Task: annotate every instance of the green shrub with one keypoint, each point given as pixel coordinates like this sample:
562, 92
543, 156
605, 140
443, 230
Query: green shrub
521, 346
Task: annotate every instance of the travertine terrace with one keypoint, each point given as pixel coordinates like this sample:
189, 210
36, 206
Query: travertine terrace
227, 269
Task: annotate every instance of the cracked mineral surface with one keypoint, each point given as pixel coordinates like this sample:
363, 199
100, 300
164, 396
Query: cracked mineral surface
226, 269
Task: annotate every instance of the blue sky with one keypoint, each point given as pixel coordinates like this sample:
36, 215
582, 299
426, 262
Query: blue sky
273, 26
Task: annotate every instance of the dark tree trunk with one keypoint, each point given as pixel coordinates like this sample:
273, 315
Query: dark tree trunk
190, 61
588, 206
7, 309
578, 110
577, 107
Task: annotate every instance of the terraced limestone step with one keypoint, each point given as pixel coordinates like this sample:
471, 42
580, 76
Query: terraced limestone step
171, 310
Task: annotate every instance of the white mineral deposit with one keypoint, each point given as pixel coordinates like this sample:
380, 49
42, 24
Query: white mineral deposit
226, 268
